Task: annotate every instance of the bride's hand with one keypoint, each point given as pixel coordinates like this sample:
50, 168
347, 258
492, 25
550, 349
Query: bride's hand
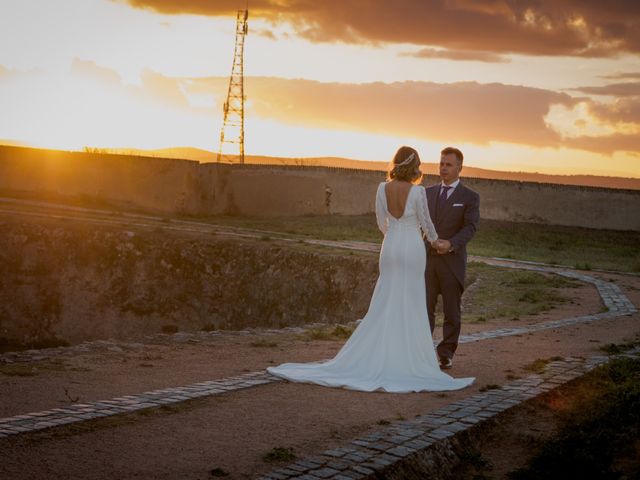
435, 243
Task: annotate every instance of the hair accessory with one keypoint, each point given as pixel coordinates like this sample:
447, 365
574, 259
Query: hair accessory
407, 160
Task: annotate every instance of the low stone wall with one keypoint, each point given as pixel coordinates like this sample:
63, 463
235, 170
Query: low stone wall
184, 187
76, 282
155, 184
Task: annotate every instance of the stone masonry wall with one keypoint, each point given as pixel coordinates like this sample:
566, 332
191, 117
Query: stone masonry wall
180, 186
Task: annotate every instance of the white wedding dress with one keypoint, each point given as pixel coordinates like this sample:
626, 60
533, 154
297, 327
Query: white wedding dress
391, 349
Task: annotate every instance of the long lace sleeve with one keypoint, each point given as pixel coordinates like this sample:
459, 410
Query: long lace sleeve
381, 215
422, 210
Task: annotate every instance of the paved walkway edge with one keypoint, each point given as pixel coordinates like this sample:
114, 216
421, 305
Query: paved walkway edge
80, 412
417, 447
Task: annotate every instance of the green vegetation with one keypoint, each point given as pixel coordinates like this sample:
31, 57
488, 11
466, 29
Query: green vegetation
616, 349
337, 332
490, 386
576, 247
573, 246
539, 364
279, 454
500, 294
598, 434
505, 293
334, 227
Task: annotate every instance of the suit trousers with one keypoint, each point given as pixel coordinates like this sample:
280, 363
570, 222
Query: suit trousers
440, 280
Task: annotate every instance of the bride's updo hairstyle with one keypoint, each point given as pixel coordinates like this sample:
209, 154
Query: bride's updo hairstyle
405, 166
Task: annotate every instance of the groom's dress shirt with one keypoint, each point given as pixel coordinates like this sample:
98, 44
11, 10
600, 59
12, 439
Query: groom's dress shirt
452, 187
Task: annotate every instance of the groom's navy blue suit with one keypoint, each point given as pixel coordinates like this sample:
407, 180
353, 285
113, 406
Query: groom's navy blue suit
455, 220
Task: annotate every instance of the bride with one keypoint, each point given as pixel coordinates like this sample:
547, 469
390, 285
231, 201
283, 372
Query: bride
391, 349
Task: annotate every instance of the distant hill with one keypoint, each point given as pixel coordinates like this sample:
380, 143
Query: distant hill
12, 143
199, 155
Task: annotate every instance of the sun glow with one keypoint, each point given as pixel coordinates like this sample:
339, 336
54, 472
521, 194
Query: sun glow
99, 73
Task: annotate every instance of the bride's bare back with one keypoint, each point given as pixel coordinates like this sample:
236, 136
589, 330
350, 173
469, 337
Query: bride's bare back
397, 192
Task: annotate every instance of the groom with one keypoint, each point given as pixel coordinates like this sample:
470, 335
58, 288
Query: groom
455, 212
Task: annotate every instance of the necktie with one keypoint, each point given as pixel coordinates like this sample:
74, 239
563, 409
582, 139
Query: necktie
444, 194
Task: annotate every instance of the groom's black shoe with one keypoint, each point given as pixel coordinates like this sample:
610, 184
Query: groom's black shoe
446, 363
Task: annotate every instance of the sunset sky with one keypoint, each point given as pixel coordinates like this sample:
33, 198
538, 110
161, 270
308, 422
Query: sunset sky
531, 85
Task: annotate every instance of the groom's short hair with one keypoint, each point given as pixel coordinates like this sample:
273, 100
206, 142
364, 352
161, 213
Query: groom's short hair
455, 151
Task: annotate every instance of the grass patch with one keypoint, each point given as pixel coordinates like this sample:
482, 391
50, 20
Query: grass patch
598, 433
279, 454
581, 247
490, 386
338, 332
540, 364
506, 293
618, 348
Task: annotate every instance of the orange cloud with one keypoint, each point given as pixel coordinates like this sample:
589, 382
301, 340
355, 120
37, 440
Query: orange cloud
626, 89
456, 112
625, 110
591, 28
458, 55
463, 112
623, 76
606, 145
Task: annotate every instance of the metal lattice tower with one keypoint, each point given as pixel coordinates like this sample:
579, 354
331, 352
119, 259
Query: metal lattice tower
232, 134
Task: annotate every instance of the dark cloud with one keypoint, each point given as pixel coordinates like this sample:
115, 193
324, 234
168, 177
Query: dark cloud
461, 55
592, 28
626, 89
625, 110
623, 76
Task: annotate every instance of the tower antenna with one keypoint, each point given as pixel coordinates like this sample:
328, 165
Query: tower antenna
232, 133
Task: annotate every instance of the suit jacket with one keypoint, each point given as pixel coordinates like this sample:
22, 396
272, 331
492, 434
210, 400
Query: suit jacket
457, 221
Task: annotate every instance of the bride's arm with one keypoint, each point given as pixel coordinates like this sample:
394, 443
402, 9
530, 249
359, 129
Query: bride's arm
381, 216
422, 209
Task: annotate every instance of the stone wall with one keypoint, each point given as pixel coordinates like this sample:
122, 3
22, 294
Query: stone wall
155, 184
180, 186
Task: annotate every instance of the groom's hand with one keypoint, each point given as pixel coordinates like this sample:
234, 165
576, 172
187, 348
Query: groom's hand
443, 246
